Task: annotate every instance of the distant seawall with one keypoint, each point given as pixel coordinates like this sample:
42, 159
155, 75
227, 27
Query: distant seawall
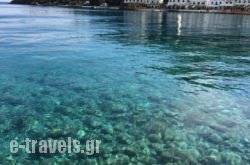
219, 11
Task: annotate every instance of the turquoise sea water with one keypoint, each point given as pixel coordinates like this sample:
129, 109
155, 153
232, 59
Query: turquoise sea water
154, 87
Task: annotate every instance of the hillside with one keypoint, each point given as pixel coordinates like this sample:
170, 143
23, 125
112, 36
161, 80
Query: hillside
68, 2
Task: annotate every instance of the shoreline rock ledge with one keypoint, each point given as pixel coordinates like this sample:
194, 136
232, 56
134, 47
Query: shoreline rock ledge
72, 3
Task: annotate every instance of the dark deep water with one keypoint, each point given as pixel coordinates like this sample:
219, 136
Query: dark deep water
154, 87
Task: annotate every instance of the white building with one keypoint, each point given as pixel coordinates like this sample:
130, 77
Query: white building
187, 3
198, 3
220, 3
242, 2
181, 3
145, 2
208, 3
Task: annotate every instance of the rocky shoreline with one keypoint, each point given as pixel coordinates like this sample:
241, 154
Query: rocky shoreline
70, 4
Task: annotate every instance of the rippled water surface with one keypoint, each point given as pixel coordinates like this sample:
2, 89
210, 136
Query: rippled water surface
154, 87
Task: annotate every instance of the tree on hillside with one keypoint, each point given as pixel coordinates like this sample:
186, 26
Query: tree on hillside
109, 2
96, 2
114, 2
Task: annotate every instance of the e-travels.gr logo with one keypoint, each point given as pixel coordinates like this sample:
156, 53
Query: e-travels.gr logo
56, 146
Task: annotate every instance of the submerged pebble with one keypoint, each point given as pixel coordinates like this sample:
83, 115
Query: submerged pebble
118, 108
154, 138
107, 129
57, 133
80, 134
231, 158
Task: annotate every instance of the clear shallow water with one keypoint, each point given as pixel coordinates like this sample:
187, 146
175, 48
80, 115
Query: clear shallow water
155, 87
